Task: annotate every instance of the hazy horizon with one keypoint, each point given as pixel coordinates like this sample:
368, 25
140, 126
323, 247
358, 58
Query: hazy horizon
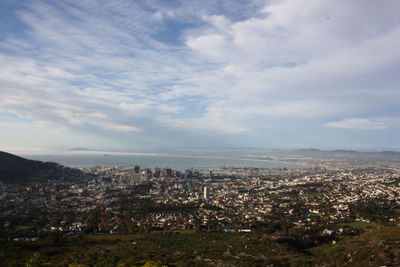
181, 151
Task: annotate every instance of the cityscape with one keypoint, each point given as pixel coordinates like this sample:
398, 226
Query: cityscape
237, 201
326, 201
213, 133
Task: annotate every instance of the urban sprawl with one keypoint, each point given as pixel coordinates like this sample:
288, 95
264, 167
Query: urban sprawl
318, 201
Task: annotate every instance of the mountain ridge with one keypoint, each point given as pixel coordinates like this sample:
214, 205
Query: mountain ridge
18, 170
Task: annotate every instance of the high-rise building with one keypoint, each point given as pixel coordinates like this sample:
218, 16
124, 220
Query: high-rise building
205, 193
137, 169
157, 172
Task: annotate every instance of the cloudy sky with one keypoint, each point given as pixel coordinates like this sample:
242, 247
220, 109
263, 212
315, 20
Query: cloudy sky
211, 74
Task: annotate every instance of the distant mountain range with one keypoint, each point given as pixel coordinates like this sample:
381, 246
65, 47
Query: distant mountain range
18, 170
382, 155
395, 153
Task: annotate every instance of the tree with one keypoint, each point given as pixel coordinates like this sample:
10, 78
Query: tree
34, 261
153, 264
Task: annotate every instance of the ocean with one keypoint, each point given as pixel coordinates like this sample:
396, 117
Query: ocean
177, 162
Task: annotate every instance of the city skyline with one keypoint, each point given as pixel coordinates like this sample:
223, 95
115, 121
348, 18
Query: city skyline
170, 75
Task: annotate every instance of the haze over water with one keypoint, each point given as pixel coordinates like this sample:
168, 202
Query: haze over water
162, 161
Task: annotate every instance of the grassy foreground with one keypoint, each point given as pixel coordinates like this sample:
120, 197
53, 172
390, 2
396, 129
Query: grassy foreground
377, 247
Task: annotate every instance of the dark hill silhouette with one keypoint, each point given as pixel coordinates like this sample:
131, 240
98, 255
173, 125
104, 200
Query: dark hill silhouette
18, 170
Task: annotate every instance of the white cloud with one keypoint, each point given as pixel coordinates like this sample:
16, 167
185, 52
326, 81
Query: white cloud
304, 59
235, 69
212, 123
135, 107
97, 115
363, 123
123, 128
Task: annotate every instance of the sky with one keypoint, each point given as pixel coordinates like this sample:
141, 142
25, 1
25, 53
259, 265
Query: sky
199, 75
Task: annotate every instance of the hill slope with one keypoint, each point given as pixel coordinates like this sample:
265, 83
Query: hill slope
377, 247
18, 170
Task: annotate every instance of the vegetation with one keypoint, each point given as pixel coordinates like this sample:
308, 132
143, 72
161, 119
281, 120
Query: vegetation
360, 225
17, 170
310, 195
376, 247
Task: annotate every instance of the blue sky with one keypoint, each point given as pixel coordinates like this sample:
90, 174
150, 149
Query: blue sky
157, 75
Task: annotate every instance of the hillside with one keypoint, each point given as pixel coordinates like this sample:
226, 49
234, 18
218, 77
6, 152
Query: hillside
377, 247
18, 170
